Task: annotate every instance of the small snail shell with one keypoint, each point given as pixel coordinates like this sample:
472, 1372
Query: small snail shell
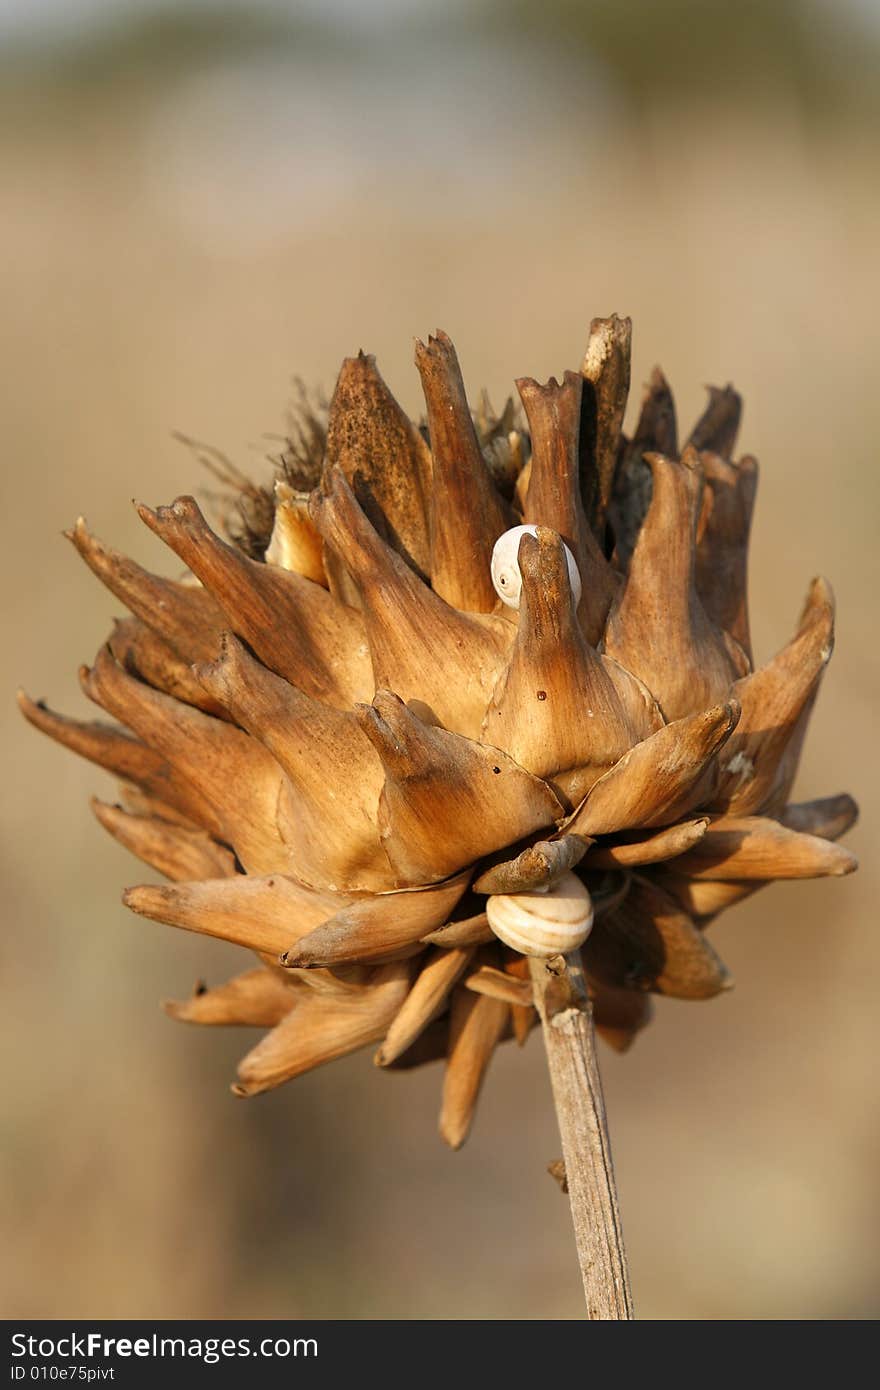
546, 922
505, 567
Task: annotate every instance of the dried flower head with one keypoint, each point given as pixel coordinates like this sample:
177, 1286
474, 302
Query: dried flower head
350, 757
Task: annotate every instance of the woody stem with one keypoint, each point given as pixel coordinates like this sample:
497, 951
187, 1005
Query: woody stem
566, 1014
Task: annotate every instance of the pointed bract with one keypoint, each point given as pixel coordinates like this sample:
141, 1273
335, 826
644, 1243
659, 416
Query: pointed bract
293, 625
447, 800
659, 628
467, 512
257, 999
555, 498
420, 646
476, 1028
384, 458
318, 1031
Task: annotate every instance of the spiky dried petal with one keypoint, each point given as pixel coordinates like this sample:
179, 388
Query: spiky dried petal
430, 991
117, 751
447, 800
829, 816
384, 458
421, 647
655, 433
660, 780
723, 543
538, 866
648, 942
461, 931
559, 709
240, 779
378, 926
177, 851
718, 426
475, 1031
606, 373
498, 984
335, 774
319, 1030
619, 1014
659, 628
554, 498
188, 618
664, 844
144, 654
264, 914
755, 847
293, 625
468, 513
760, 760
257, 999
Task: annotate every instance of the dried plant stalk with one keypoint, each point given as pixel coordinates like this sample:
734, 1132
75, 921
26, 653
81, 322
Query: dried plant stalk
567, 1019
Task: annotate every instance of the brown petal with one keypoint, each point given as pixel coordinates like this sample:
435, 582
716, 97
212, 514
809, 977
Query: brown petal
188, 618
619, 1014
334, 772
461, 931
447, 800
723, 543
498, 984
175, 850
754, 847
295, 627
258, 999
377, 926
703, 899
142, 653
420, 646
649, 943
606, 373
468, 514
478, 1023
117, 752
760, 760
264, 914
659, 780
384, 458
718, 426
658, 628
318, 1031
830, 817
429, 1046
655, 433
557, 709
238, 777
425, 1001
555, 498
538, 866
648, 849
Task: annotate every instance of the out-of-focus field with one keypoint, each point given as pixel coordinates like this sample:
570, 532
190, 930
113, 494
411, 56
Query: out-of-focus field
172, 250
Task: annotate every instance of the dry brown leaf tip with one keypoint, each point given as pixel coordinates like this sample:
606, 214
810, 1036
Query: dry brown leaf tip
344, 751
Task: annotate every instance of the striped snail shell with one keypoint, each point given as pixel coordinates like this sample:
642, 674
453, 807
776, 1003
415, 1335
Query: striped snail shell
544, 922
506, 576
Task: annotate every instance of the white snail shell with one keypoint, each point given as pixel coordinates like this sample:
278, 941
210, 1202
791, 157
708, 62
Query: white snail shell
505, 567
546, 922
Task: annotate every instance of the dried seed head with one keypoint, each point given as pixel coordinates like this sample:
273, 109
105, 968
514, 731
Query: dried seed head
348, 758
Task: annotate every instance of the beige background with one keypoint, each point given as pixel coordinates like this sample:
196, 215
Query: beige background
181, 231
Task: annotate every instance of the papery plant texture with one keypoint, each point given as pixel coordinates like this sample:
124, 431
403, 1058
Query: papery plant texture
354, 754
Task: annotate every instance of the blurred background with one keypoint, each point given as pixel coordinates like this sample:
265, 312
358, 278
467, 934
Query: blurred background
200, 201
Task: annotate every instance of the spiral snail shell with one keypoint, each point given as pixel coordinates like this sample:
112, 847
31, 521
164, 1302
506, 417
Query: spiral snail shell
545, 922
506, 575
